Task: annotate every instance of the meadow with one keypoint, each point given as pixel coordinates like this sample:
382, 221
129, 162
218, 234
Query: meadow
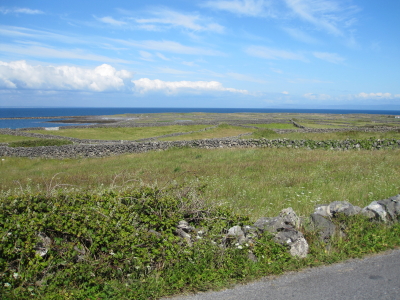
121, 211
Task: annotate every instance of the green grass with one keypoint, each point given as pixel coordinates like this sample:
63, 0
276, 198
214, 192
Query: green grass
256, 181
122, 133
274, 126
221, 131
5, 138
39, 143
269, 134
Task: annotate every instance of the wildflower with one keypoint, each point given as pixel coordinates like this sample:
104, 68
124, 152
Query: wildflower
7, 284
16, 275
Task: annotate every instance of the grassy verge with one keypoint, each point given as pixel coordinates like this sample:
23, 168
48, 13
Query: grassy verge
121, 245
122, 133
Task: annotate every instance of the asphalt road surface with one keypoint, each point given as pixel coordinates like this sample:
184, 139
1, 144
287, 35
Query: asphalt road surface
374, 277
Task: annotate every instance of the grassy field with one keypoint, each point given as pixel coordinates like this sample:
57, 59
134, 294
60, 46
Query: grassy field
122, 133
259, 182
351, 134
221, 131
5, 138
94, 205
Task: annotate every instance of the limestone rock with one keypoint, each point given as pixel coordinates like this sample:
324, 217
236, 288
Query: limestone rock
289, 217
325, 227
43, 246
376, 210
343, 207
236, 234
295, 240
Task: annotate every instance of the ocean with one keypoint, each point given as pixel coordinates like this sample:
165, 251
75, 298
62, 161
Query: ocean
99, 111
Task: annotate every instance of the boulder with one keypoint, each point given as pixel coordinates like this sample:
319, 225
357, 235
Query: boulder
295, 240
324, 226
342, 207
392, 207
375, 210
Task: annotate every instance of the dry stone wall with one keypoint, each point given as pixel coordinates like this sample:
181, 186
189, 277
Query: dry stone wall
99, 150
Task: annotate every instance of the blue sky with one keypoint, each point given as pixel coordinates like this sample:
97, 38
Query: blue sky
222, 53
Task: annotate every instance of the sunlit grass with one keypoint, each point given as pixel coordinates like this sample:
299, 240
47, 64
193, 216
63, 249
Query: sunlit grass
274, 126
122, 133
342, 135
256, 181
4, 138
219, 132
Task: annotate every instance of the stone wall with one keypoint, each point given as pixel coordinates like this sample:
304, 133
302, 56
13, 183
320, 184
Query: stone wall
99, 150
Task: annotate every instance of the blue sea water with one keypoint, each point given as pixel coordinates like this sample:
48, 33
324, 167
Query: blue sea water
99, 111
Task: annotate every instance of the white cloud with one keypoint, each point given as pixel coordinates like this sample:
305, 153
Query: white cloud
160, 55
285, 93
301, 36
111, 21
377, 95
168, 46
20, 10
163, 18
270, 53
168, 70
244, 77
313, 96
40, 51
145, 85
329, 57
146, 55
276, 70
21, 75
327, 15
252, 8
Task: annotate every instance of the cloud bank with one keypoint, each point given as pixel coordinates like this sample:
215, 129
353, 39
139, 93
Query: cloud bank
145, 85
21, 75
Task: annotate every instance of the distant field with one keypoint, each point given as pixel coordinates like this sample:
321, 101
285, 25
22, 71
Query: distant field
4, 138
219, 132
273, 126
122, 133
255, 181
269, 134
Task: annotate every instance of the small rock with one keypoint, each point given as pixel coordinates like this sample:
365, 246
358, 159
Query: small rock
43, 246
289, 217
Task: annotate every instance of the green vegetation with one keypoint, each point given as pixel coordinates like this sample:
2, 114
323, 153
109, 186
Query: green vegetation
5, 138
274, 125
258, 181
111, 220
121, 245
122, 133
318, 136
39, 143
221, 131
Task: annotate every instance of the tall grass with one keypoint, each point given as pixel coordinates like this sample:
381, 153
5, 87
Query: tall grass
260, 182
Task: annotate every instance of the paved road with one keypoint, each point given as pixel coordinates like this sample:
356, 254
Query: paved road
375, 277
